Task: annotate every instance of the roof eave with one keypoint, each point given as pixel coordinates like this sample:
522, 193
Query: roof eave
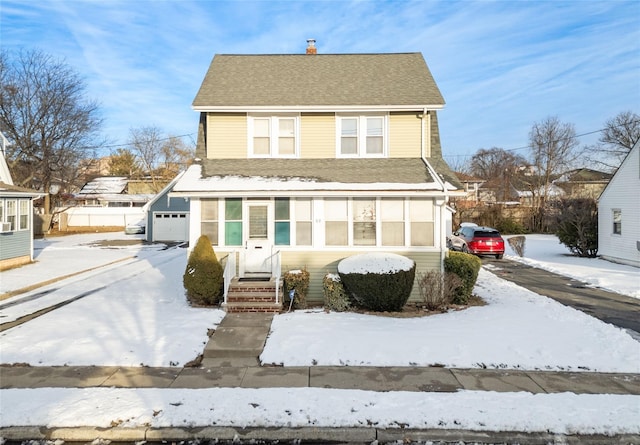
314, 108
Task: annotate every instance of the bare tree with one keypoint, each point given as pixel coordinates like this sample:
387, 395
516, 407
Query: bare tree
494, 162
619, 135
160, 157
553, 147
47, 118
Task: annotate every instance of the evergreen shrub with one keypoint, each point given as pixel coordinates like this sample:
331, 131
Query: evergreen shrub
203, 277
299, 281
465, 266
577, 226
381, 290
335, 295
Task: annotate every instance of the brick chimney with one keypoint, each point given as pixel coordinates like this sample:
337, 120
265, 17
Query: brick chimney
311, 46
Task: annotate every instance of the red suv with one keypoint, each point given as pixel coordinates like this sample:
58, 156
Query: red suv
477, 240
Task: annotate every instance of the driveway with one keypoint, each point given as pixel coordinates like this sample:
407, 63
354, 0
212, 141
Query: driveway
610, 307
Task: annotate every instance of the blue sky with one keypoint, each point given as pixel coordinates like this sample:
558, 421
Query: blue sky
501, 65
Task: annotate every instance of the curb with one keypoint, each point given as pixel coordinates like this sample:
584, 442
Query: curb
315, 434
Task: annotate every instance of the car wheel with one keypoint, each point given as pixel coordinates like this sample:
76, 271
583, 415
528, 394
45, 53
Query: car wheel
499, 256
465, 249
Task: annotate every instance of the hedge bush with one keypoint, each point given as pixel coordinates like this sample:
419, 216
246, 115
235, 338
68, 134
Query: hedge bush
382, 290
466, 266
297, 280
335, 295
203, 277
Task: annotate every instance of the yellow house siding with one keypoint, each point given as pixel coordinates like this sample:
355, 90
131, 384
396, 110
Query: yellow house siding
317, 135
404, 135
319, 263
226, 135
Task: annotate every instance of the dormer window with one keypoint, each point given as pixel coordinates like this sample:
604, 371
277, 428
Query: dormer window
273, 136
361, 135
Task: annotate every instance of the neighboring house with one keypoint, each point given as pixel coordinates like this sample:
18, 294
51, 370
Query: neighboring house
105, 201
110, 191
619, 213
471, 187
583, 183
304, 160
16, 217
167, 217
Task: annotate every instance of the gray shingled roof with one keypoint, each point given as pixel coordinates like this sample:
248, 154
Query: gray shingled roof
316, 80
347, 171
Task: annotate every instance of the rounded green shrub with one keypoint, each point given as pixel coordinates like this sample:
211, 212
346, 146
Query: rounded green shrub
465, 266
378, 281
203, 277
335, 296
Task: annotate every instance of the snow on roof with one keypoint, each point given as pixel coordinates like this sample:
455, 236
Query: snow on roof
375, 262
193, 181
104, 185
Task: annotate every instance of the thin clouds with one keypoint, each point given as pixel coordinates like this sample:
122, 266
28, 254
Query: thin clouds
501, 65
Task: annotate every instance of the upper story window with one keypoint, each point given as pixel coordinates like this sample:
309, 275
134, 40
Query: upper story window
361, 136
273, 136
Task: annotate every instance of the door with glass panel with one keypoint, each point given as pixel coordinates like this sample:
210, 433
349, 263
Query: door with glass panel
258, 237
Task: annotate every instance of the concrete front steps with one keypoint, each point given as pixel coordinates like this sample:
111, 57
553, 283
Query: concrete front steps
253, 296
238, 341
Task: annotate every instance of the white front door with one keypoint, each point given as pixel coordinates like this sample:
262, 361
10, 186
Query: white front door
258, 237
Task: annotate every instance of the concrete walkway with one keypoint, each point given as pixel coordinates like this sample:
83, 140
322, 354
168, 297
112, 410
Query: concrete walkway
231, 359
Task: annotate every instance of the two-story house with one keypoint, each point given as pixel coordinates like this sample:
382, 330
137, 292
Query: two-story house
306, 159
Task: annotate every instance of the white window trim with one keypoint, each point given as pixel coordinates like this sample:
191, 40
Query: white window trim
362, 135
273, 134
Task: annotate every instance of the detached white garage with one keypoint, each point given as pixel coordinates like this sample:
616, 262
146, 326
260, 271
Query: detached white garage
167, 218
170, 226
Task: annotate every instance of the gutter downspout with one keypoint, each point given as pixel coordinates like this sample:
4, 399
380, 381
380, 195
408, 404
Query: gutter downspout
441, 183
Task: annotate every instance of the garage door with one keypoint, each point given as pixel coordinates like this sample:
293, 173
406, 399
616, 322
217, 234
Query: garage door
170, 226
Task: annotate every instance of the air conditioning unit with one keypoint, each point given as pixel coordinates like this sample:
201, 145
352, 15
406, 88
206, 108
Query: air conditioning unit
5, 227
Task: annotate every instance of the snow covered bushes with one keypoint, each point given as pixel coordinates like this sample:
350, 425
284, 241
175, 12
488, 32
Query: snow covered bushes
335, 296
297, 280
203, 276
465, 266
378, 281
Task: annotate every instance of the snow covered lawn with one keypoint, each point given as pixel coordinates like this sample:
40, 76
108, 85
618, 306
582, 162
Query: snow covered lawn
136, 314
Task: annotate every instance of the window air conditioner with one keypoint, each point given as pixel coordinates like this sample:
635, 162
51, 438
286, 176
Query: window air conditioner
5, 227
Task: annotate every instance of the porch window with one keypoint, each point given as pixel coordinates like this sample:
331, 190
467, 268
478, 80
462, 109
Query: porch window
337, 222
392, 221
12, 213
364, 222
421, 221
303, 222
361, 136
273, 136
617, 222
233, 222
209, 223
23, 221
282, 222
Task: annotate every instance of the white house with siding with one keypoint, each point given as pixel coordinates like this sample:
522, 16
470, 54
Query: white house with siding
619, 213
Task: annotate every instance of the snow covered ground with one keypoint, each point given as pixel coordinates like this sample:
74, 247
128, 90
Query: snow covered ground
135, 313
